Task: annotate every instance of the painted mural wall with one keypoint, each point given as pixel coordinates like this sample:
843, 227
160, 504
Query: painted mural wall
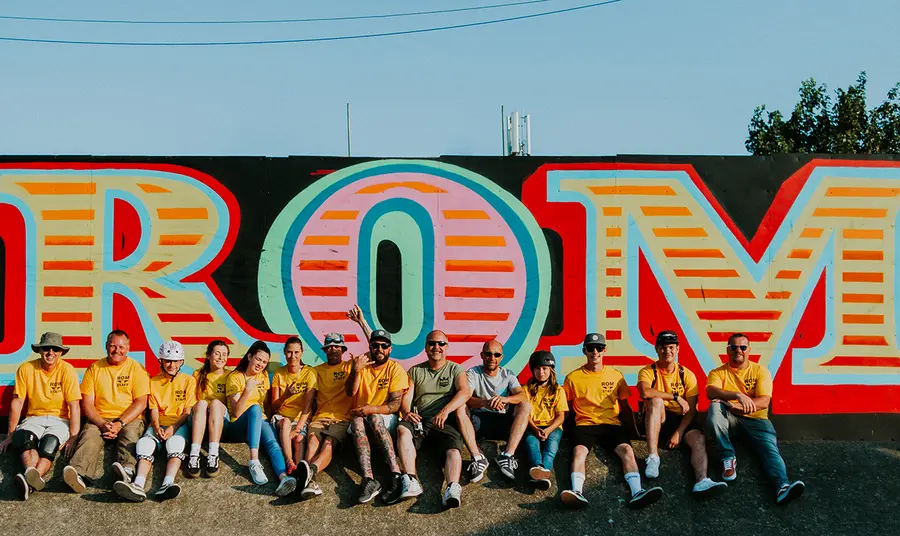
799, 254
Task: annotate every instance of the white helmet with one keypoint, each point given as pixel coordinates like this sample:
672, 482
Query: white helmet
171, 351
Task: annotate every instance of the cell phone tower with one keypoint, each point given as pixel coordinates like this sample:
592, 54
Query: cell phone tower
516, 133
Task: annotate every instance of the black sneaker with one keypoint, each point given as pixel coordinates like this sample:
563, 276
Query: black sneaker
645, 497
789, 492
305, 473
167, 491
542, 484
508, 465
477, 468
393, 494
193, 467
369, 488
212, 465
573, 499
22, 487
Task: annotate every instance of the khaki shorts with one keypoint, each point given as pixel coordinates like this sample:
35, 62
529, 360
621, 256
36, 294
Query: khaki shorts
41, 425
329, 427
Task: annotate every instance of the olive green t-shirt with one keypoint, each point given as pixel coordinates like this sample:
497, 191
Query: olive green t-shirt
433, 389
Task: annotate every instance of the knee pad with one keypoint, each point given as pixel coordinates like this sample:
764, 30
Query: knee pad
24, 440
48, 446
145, 449
175, 447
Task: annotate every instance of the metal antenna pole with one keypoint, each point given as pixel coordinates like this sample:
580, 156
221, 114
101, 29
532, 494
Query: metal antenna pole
348, 129
503, 130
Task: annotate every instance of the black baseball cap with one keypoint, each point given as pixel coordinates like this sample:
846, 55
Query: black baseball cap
380, 334
594, 338
666, 337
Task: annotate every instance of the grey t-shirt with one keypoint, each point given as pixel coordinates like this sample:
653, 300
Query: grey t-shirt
484, 386
433, 389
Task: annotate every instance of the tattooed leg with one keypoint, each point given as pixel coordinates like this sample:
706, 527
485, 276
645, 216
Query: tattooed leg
385, 440
363, 450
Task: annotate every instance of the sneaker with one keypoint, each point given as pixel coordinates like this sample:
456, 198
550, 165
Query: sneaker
369, 488
193, 467
645, 497
167, 491
121, 472
573, 499
303, 474
508, 465
652, 469
477, 469
22, 486
310, 491
789, 492
129, 491
34, 479
411, 487
257, 474
452, 495
539, 473
542, 484
708, 486
729, 469
212, 465
287, 486
73, 479
393, 495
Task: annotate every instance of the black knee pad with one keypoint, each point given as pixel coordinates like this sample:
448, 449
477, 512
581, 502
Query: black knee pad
48, 446
24, 440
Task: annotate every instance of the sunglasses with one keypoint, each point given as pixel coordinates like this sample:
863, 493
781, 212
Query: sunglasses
592, 347
439, 343
492, 354
382, 345
735, 348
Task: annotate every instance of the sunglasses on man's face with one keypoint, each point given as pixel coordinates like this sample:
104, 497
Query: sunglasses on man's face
439, 343
382, 345
594, 347
735, 348
492, 354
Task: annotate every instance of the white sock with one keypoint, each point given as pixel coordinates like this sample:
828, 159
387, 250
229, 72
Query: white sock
634, 482
195, 449
168, 480
480, 457
653, 456
139, 481
507, 453
213, 449
577, 482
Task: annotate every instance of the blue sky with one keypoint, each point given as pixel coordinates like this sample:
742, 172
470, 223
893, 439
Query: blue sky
636, 77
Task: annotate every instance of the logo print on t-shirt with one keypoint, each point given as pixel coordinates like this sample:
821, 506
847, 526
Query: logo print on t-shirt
123, 381
750, 384
55, 388
382, 383
180, 395
338, 375
220, 389
444, 382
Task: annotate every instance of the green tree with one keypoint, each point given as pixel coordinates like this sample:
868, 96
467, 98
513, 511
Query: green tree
820, 124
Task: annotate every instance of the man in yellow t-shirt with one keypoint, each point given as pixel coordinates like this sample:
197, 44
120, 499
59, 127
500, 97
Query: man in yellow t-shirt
597, 394
328, 429
114, 396
740, 392
50, 387
669, 393
377, 383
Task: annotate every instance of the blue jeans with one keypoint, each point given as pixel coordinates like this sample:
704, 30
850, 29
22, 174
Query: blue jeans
251, 427
542, 453
759, 433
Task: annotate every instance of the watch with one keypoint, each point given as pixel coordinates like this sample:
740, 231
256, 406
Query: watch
120, 421
675, 397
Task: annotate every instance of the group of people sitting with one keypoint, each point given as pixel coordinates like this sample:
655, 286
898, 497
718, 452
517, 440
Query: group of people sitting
305, 414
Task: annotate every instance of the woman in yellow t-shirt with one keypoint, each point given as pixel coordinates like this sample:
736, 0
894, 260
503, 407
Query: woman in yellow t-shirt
210, 414
245, 390
548, 410
293, 387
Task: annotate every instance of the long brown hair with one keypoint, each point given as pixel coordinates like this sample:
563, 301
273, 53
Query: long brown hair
244, 364
533, 385
207, 368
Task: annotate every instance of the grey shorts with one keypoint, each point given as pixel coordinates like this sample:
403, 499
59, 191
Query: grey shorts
46, 424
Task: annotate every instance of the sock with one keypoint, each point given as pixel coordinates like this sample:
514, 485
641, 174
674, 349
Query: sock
480, 456
653, 456
195, 449
507, 453
168, 480
213, 449
139, 481
634, 482
577, 482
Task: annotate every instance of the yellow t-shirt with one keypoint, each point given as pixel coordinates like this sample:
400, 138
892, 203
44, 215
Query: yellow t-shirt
47, 393
670, 383
304, 380
544, 406
594, 396
375, 385
753, 381
235, 384
171, 398
331, 398
115, 388
215, 386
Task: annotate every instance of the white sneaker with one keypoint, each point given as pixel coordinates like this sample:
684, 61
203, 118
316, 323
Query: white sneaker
73, 479
652, 469
287, 486
452, 495
129, 491
411, 487
312, 490
708, 485
122, 473
257, 474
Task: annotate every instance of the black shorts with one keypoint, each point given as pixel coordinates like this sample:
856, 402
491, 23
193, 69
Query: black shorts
608, 436
446, 438
492, 425
672, 422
